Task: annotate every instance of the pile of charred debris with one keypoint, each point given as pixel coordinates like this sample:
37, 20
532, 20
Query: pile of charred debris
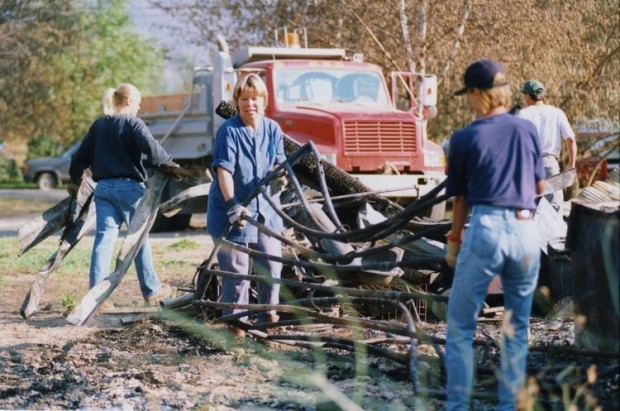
353, 258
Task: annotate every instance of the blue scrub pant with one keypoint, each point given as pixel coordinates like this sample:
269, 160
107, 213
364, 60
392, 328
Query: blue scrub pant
237, 291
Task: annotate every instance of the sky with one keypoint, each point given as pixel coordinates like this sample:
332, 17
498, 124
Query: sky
147, 20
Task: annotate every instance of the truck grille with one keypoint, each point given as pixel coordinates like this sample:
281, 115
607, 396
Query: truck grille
379, 137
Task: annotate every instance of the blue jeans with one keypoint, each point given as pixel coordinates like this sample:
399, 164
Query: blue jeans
237, 291
116, 201
496, 243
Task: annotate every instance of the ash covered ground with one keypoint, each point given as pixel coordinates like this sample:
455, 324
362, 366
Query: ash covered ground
151, 362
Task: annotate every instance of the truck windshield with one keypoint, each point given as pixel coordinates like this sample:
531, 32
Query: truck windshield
326, 86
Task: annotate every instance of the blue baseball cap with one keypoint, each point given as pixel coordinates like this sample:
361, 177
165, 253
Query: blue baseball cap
481, 75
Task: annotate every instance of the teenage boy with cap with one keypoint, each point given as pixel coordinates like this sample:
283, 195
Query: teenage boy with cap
553, 128
495, 169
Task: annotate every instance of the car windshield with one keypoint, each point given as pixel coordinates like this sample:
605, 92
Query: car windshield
327, 85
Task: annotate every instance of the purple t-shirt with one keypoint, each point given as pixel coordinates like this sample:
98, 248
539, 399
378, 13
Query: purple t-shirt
497, 161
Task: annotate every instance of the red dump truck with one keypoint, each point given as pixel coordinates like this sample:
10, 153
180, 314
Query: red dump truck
369, 127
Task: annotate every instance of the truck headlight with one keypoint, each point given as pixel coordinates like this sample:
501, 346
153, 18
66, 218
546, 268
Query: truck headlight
434, 159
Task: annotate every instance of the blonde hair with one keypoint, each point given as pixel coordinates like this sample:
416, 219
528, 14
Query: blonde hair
108, 102
250, 82
491, 98
113, 99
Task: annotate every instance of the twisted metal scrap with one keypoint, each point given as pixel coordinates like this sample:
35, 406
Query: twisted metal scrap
335, 261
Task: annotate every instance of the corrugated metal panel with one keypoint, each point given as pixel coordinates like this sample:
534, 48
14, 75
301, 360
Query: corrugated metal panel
379, 137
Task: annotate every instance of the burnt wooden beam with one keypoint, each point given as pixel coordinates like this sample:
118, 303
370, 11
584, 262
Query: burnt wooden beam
137, 233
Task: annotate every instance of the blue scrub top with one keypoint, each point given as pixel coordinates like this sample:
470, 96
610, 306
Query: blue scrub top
249, 157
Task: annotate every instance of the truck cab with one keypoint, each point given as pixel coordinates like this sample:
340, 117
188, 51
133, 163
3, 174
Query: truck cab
344, 105
345, 108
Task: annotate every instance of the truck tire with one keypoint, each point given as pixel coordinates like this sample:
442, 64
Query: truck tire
46, 181
177, 222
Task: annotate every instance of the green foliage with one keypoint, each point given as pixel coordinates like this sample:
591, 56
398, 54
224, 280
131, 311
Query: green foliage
33, 32
59, 58
43, 147
9, 172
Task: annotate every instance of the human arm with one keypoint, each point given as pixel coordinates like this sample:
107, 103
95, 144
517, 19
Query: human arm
571, 150
81, 160
540, 187
459, 216
156, 155
227, 184
568, 139
234, 210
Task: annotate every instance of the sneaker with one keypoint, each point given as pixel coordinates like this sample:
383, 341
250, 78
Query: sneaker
164, 292
237, 333
272, 318
107, 306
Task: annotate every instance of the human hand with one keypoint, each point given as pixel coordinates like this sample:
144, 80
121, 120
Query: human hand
73, 189
235, 214
278, 183
452, 252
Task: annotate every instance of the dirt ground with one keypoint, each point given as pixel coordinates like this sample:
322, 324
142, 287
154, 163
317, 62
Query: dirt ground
135, 358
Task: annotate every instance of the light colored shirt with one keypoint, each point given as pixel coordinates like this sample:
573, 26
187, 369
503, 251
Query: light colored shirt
552, 126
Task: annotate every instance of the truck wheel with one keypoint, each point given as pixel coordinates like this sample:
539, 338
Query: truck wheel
46, 181
436, 212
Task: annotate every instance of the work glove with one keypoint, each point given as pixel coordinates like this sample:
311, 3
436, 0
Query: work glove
235, 213
73, 189
278, 183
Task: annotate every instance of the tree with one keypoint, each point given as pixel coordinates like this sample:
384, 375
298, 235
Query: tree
57, 58
570, 45
31, 34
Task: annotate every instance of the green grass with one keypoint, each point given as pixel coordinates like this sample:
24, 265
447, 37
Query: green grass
16, 185
76, 263
68, 300
184, 244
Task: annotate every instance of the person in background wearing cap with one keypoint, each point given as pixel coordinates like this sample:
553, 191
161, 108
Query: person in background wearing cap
553, 127
495, 169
